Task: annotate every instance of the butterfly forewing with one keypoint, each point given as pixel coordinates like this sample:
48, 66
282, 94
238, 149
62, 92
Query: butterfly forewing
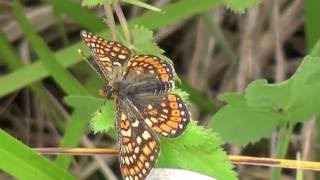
107, 54
144, 65
139, 147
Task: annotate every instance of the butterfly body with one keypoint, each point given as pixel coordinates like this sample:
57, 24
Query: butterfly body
141, 86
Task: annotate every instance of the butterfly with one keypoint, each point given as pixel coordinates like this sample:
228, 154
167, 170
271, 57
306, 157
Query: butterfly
145, 107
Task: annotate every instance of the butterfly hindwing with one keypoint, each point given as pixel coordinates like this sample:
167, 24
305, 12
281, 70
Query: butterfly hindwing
168, 116
139, 147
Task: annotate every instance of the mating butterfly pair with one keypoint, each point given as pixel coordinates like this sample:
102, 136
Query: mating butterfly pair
145, 107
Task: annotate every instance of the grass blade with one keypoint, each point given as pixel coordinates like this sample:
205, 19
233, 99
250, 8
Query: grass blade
26, 164
66, 81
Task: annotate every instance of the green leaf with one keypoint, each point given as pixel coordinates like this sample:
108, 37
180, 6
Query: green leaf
240, 124
143, 41
93, 3
240, 6
265, 106
103, 119
23, 163
304, 100
196, 150
261, 94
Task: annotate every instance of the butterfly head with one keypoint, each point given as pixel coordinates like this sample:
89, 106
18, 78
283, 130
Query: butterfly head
109, 91
114, 88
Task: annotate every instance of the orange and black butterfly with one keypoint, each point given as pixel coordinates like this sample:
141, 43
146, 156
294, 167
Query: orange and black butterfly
145, 106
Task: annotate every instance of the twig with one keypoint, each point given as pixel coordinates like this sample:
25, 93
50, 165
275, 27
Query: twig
123, 22
77, 151
279, 56
280, 163
110, 21
244, 160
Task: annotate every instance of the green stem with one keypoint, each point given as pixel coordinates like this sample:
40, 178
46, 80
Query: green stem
282, 147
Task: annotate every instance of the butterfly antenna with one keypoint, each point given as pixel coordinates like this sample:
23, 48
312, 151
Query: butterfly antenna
87, 61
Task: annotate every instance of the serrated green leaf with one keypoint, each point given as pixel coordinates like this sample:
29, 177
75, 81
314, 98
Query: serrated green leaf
240, 124
196, 150
143, 41
103, 119
93, 3
240, 6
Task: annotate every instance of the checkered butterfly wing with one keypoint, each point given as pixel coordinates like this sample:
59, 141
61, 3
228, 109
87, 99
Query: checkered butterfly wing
107, 54
164, 112
139, 147
148, 66
167, 116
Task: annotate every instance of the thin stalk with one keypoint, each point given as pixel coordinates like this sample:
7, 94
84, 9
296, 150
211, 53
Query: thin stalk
123, 22
244, 160
110, 21
282, 147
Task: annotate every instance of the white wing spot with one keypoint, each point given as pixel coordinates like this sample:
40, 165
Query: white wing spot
136, 150
146, 135
139, 140
121, 56
135, 123
126, 133
116, 64
154, 120
148, 122
127, 160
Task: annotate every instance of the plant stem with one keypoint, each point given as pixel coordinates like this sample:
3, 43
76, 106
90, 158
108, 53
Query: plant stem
282, 147
123, 22
110, 21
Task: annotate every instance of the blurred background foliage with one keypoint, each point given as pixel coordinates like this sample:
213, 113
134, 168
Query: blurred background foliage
216, 47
